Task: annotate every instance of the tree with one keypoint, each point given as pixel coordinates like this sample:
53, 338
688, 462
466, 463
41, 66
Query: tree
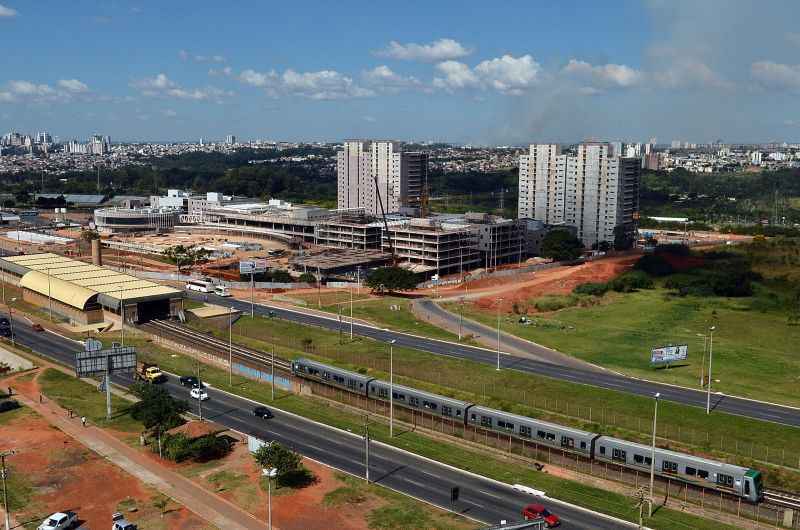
388, 279
160, 503
274, 455
623, 238
89, 235
561, 245
156, 408
307, 277
182, 255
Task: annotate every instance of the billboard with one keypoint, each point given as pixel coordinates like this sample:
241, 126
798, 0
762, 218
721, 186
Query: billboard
117, 359
669, 354
253, 266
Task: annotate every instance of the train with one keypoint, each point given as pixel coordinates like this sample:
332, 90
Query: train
740, 481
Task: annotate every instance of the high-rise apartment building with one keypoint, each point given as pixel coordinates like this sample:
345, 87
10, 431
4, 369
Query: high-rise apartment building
595, 192
230, 139
377, 176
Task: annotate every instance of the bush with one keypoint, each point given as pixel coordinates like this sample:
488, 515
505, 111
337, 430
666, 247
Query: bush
307, 277
178, 447
561, 245
555, 302
654, 265
676, 249
591, 289
631, 281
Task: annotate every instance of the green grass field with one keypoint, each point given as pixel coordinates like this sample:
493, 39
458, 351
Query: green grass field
606, 502
754, 347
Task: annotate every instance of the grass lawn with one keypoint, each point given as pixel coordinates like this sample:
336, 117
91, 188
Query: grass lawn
85, 400
392, 312
754, 347
606, 502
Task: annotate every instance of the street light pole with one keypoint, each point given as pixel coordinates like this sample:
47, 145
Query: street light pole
460, 318
270, 474
391, 387
653, 456
230, 346
710, 358
703, 364
11, 320
498, 332
3, 474
366, 450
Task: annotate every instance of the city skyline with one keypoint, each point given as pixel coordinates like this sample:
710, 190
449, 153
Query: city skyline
466, 74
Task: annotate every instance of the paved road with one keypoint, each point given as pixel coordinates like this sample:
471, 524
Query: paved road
481, 499
719, 402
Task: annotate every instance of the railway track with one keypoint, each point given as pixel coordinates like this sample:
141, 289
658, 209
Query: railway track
212, 344
782, 498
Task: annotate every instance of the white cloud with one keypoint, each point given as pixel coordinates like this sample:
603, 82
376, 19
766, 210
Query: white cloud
321, 85
227, 71
776, 75
506, 74
7, 97
369, 119
436, 51
456, 76
793, 38
384, 78
26, 88
687, 72
73, 85
606, 75
184, 55
169, 113
163, 86
7, 12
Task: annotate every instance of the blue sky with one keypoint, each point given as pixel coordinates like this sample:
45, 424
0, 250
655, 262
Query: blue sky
480, 72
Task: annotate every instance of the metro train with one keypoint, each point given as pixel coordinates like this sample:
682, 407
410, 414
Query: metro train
740, 481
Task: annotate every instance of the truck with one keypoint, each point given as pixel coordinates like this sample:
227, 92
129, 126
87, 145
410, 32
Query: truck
59, 521
149, 373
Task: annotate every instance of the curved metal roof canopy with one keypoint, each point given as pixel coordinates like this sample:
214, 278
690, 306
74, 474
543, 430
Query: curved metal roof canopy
57, 289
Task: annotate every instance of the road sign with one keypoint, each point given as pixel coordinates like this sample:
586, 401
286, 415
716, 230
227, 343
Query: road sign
253, 266
114, 360
92, 345
669, 354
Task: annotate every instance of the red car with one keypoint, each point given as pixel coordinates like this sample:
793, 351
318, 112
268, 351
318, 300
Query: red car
536, 511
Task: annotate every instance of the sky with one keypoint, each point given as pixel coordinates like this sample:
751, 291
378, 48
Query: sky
485, 73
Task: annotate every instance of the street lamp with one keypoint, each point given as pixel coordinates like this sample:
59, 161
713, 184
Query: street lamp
653, 455
230, 346
11, 319
703, 364
460, 318
391, 387
270, 473
498, 332
710, 357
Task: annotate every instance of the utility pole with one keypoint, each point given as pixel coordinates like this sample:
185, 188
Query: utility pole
710, 357
272, 371
498, 333
49, 298
252, 291
4, 475
200, 391
703, 364
230, 346
653, 456
366, 448
391, 387
460, 318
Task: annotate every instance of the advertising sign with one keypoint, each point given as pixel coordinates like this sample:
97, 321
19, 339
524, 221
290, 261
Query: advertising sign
118, 359
669, 354
253, 266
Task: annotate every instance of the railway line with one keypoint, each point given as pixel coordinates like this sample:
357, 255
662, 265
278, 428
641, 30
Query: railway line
211, 344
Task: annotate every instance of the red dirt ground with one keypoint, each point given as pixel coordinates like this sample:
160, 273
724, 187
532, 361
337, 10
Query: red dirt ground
65, 475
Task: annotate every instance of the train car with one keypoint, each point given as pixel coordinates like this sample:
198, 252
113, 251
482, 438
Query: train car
741, 481
412, 398
541, 432
330, 375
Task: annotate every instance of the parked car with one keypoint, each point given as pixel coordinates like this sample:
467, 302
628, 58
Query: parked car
8, 404
59, 521
262, 412
37, 327
536, 511
198, 393
120, 523
189, 380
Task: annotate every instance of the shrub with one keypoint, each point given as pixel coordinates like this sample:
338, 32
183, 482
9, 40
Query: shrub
591, 289
676, 249
307, 277
554, 302
631, 281
654, 265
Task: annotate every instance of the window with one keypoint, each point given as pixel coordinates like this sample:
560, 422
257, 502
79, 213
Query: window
638, 459
725, 480
702, 473
747, 487
525, 431
567, 442
691, 471
602, 450
669, 467
447, 411
551, 437
414, 402
541, 434
458, 413
505, 425
583, 445
619, 455
473, 417
486, 421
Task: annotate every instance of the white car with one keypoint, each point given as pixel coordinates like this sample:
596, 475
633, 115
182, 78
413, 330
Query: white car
59, 521
198, 393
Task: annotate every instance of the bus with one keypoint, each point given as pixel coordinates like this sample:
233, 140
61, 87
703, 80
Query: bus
221, 290
204, 286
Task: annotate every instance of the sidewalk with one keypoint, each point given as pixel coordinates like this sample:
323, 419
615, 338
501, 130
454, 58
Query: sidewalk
216, 510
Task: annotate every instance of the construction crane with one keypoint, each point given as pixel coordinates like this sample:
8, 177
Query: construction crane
385, 222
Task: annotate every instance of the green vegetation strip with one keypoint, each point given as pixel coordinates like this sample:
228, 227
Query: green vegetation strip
599, 410
606, 502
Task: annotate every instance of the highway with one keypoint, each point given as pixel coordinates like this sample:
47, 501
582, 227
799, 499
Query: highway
604, 379
482, 499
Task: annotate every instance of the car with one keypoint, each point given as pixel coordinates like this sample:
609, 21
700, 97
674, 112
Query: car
536, 511
59, 521
4, 322
198, 393
189, 380
8, 404
37, 327
262, 412
120, 523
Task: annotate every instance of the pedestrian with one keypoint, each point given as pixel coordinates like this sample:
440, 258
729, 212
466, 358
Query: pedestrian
10, 391
41, 399
83, 421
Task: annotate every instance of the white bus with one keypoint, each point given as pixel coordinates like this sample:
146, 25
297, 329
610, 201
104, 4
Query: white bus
221, 290
204, 286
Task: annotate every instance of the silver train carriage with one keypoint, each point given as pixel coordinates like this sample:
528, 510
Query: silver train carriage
540, 432
330, 375
740, 481
412, 398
